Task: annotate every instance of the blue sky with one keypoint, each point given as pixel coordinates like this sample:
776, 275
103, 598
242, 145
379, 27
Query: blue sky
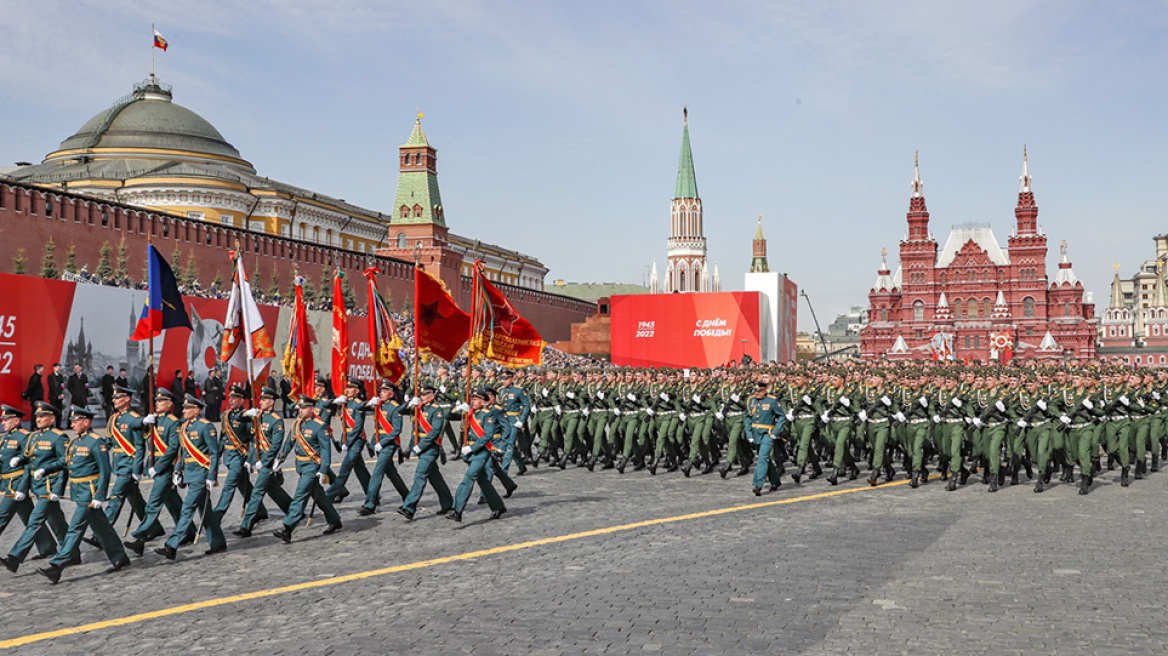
558, 125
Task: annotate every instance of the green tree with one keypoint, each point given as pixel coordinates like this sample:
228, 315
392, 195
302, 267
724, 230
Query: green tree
123, 261
105, 270
326, 288
218, 281
18, 262
71, 258
191, 273
49, 263
176, 260
308, 290
347, 294
274, 290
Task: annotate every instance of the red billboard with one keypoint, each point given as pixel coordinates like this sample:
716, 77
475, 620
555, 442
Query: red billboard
46, 321
684, 330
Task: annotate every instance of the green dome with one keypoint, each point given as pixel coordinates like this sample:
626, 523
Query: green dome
148, 119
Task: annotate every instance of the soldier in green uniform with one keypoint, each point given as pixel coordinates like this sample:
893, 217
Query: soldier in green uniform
14, 479
44, 457
310, 441
269, 441
734, 399
877, 414
198, 464
88, 470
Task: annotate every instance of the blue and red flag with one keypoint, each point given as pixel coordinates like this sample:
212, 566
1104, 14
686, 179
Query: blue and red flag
160, 42
164, 305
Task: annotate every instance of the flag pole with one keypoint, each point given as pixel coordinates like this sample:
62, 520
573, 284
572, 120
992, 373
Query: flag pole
474, 318
417, 263
151, 377
152, 49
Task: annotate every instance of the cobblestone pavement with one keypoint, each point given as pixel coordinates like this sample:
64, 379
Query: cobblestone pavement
889, 570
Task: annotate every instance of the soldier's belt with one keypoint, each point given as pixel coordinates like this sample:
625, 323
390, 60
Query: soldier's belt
735, 414
1118, 417
85, 479
917, 421
878, 421
571, 412
307, 459
443, 405
231, 447
120, 450
954, 421
18, 472
1083, 424
767, 426
835, 419
1035, 424
513, 414
809, 416
993, 424
188, 459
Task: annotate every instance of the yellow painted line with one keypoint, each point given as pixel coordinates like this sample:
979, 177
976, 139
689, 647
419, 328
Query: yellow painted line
470, 555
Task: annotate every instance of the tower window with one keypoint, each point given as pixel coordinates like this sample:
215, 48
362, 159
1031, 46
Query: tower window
401, 240
1028, 307
918, 311
405, 212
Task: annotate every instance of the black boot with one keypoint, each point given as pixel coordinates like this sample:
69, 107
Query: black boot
993, 484
924, 475
137, 546
757, 491
167, 551
1155, 462
1141, 467
873, 477
913, 480
284, 533
952, 484
799, 474
454, 515
833, 477
724, 470
686, 467
52, 573
1084, 484
1039, 486
1123, 477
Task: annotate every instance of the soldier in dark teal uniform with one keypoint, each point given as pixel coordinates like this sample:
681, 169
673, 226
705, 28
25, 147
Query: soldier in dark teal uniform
14, 479
517, 408
313, 455
199, 466
269, 442
387, 429
162, 444
429, 422
353, 442
483, 428
44, 457
237, 434
124, 438
88, 469
766, 420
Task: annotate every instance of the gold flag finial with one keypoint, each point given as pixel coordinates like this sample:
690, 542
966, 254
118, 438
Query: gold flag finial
685, 115
1116, 267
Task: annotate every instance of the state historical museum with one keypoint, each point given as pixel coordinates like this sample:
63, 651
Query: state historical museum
972, 300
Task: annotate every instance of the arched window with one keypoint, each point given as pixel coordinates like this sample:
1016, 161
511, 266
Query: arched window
884, 314
971, 309
405, 211
985, 307
417, 211
681, 284
401, 240
957, 309
1028, 307
918, 311
1067, 309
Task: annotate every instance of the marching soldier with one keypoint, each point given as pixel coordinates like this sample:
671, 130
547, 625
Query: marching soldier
352, 442
313, 456
125, 441
517, 408
163, 446
269, 441
483, 427
197, 464
429, 423
88, 470
236, 433
14, 478
766, 420
44, 457
387, 429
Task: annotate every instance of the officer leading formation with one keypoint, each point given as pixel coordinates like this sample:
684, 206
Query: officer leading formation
1067, 424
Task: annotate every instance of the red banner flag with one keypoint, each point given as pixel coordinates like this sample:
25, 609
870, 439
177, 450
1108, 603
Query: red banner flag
340, 336
440, 326
499, 334
383, 340
298, 365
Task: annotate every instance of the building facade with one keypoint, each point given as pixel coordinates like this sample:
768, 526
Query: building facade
971, 289
1134, 328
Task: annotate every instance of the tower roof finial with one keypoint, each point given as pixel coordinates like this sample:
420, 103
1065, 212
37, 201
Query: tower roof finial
918, 187
685, 115
1025, 186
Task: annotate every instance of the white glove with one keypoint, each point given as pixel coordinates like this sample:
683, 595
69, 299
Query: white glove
377, 447
1022, 423
150, 420
466, 450
1087, 404
924, 402
823, 417
885, 400
600, 395
681, 416
571, 395
20, 496
790, 416
558, 409
863, 415
630, 396
136, 477
414, 402
807, 399
846, 401
957, 402
254, 412
616, 411
372, 403
1156, 395
174, 478
340, 399
587, 412
1124, 400
344, 450
1065, 419
968, 421
416, 451
442, 388
97, 504
249, 467
462, 407
697, 398
978, 422
734, 397
900, 417
1141, 402
152, 472
518, 424
545, 392
719, 415
14, 462
936, 419
1000, 406
53, 497
664, 396
650, 412
212, 482
38, 474
322, 477
1041, 404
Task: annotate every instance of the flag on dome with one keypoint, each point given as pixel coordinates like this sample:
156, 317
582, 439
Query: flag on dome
440, 326
164, 305
498, 333
298, 365
160, 42
246, 343
383, 340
